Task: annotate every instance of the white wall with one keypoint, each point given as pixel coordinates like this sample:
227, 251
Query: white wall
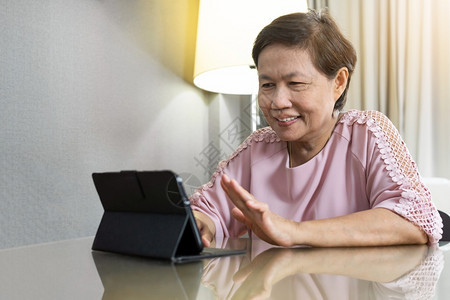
89, 86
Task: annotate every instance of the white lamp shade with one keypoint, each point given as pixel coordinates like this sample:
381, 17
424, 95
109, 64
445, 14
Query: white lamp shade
226, 32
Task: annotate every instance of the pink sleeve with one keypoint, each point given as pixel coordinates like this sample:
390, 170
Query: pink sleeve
213, 201
393, 180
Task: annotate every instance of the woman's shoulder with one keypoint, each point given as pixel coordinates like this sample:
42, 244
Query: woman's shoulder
368, 117
376, 129
265, 135
372, 130
370, 121
245, 152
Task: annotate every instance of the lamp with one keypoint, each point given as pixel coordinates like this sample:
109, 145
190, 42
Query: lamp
225, 35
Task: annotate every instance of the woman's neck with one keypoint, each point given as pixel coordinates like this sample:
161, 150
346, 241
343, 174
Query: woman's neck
301, 152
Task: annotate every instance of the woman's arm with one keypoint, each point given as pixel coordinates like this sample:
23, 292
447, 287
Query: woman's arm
374, 227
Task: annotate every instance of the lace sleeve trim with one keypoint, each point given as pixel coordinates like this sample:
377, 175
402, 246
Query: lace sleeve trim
265, 134
415, 204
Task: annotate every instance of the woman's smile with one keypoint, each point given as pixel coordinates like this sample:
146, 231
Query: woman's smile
287, 121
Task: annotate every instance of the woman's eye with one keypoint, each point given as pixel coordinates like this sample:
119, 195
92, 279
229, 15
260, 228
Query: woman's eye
298, 85
267, 85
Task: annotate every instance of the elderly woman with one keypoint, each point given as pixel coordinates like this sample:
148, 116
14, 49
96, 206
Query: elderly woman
317, 176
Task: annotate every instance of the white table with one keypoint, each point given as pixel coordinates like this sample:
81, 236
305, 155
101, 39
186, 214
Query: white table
70, 270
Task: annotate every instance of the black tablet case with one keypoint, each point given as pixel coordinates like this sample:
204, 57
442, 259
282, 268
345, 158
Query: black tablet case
145, 214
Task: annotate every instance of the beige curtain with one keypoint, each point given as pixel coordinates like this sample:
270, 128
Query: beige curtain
317, 4
403, 70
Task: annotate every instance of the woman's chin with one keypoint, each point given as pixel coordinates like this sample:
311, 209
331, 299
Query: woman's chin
285, 136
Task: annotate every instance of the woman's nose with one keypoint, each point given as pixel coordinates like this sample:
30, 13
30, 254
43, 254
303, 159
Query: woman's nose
281, 99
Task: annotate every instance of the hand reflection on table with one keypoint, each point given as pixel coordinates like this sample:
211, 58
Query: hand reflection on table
409, 272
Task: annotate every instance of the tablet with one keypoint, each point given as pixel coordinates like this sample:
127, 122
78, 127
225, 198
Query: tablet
147, 213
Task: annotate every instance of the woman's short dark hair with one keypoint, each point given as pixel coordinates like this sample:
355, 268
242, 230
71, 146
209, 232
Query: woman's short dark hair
317, 33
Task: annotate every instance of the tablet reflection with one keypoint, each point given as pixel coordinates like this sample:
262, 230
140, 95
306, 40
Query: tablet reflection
130, 277
404, 272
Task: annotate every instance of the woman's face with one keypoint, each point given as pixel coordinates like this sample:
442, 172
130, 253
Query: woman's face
296, 99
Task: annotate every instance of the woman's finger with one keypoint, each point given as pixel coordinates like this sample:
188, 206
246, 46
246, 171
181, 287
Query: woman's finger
238, 215
230, 187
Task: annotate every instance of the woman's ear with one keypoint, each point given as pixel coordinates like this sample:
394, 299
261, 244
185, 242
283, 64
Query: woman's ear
340, 82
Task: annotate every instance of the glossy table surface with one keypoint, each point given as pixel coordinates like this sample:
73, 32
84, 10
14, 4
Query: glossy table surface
70, 270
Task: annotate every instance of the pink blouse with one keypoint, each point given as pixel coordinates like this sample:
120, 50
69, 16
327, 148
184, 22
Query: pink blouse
364, 165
